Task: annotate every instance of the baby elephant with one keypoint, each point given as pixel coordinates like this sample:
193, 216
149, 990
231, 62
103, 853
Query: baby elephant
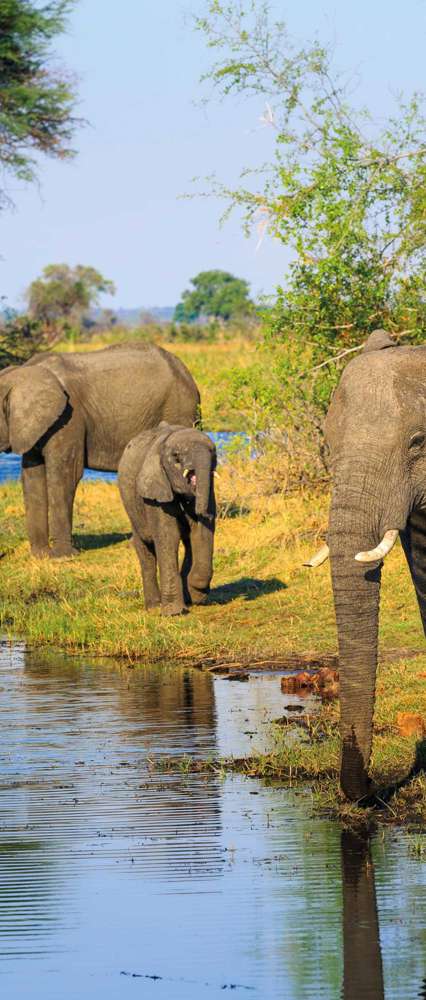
166, 483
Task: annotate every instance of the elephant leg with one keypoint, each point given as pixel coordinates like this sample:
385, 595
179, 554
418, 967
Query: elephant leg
201, 572
413, 540
35, 499
167, 539
187, 563
62, 480
148, 563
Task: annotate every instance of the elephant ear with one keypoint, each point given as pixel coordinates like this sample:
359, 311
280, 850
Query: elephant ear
378, 341
6, 383
152, 482
36, 401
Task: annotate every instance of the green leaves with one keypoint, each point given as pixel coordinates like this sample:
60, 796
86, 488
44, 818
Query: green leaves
63, 294
347, 196
345, 193
36, 100
214, 295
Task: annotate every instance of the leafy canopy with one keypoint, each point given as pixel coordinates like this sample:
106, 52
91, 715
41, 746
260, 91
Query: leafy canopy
36, 98
215, 294
64, 293
345, 193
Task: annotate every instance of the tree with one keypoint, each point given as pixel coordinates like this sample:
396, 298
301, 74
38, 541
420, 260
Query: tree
345, 193
61, 297
20, 338
36, 100
216, 295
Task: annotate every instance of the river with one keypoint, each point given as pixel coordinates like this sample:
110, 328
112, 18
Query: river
126, 874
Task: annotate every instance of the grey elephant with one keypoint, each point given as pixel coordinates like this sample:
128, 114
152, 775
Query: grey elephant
166, 484
65, 412
376, 432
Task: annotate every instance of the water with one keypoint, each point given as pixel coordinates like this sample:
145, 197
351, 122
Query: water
124, 876
10, 465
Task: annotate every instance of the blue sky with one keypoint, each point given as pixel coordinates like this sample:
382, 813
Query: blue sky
117, 205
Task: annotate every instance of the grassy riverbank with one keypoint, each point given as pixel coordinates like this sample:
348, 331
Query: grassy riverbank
263, 605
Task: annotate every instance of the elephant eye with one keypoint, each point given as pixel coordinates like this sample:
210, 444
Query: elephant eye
416, 440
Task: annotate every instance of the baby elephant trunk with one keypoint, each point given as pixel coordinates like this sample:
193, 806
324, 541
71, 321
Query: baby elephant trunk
203, 472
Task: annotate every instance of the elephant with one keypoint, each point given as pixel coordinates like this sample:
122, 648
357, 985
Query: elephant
376, 432
165, 478
67, 412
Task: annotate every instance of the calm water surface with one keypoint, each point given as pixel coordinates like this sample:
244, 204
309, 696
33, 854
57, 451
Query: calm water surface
123, 878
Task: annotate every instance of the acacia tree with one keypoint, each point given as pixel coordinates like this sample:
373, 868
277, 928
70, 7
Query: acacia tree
345, 193
36, 98
60, 298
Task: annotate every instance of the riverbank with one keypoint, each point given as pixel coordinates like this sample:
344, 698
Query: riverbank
265, 608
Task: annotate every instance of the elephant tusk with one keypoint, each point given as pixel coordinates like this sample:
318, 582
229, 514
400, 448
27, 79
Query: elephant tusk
319, 557
185, 472
387, 543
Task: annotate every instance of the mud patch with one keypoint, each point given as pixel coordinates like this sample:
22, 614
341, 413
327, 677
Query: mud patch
292, 661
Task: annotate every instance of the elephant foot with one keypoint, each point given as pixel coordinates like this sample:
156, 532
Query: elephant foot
170, 610
63, 552
153, 605
40, 551
198, 598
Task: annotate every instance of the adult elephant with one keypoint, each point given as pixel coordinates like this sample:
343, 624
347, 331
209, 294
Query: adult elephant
67, 412
376, 431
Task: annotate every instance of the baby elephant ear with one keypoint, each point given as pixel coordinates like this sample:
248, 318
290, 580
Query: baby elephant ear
36, 402
377, 341
152, 482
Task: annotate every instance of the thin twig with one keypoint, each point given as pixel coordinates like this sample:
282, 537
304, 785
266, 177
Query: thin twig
350, 350
336, 357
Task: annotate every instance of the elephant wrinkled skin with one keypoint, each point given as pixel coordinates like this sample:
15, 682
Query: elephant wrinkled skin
65, 412
376, 431
166, 484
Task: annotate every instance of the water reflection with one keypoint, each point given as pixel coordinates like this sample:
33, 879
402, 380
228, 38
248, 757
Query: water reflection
363, 972
120, 873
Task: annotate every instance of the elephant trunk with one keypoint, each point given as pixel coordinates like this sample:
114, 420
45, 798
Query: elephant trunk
359, 516
203, 471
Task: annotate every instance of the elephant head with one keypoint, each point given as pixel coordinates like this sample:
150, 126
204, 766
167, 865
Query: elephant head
180, 460
376, 432
31, 400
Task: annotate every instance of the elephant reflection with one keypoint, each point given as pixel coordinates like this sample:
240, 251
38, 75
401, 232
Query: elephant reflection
363, 973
